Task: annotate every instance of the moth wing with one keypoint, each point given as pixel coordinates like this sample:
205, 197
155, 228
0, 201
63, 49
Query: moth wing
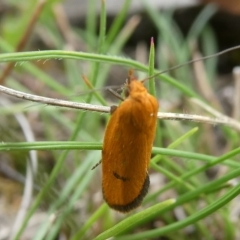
125, 159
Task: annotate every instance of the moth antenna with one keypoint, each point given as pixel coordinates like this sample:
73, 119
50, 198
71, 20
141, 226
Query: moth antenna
192, 61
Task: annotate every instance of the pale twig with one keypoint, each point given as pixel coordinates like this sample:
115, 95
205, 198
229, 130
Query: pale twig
71, 41
236, 100
54, 101
30, 172
203, 82
221, 119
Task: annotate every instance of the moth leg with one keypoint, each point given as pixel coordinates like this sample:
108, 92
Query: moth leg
117, 95
96, 165
113, 109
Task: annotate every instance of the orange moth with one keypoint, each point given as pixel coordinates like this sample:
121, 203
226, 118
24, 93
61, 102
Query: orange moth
127, 148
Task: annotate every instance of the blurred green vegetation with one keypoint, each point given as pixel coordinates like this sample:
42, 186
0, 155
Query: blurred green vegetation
192, 163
